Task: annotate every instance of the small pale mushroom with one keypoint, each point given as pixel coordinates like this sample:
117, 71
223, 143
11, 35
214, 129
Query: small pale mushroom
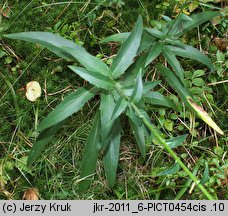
31, 194
33, 90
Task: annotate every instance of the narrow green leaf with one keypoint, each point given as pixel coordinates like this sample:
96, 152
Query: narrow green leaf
156, 33
128, 50
187, 183
197, 19
172, 60
111, 157
158, 99
192, 53
107, 106
148, 86
63, 48
174, 82
90, 157
176, 141
133, 117
138, 89
42, 140
172, 170
177, 24
120, 37
120, 107
146, 41
132, 72
49, 40
95, 78
174, 42
154, 52
206, 175
166, 18
70, 105
139, 131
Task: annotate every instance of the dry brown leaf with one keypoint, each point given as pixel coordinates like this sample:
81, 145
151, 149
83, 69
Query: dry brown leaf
221, 43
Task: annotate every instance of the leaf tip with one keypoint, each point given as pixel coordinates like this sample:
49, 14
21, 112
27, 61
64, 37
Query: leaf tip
204, 115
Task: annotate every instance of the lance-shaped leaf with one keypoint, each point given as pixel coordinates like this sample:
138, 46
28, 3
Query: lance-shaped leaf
63, 48
172, 60
132, 72
146, 41
148, 86
98, 79
120, 107
176, 141
70, 105
154, 52
111, 157
177, 24
197, 19
120, 37
172, 170
138, 89
42, 140
192, 53
158, 99
203, 115
107, 106
138, 131
155, 33
91, 152
128, 50
174, 82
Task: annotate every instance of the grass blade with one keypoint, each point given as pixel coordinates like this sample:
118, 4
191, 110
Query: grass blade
70, 105
128, 50
97, 79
